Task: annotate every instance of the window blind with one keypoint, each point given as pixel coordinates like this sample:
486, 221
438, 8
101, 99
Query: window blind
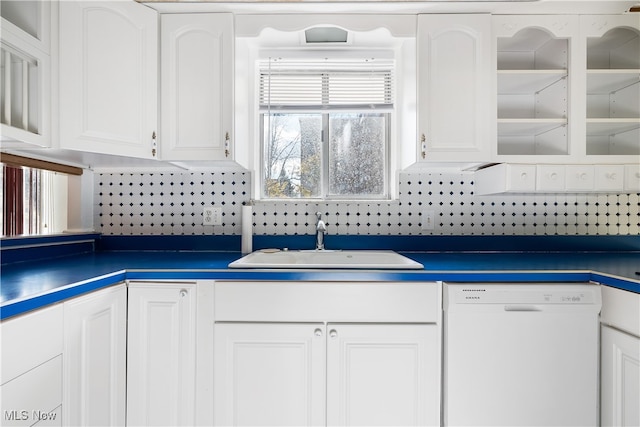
324, 84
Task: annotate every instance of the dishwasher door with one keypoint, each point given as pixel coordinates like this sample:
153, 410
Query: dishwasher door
521, 354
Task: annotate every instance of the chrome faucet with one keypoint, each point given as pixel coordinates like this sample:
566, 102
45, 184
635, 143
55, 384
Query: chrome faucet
321, 229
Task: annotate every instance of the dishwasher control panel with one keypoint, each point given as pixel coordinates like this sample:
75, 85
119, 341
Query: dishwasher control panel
522, 293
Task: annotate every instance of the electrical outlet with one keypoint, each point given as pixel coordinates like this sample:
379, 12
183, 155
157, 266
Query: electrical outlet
428, 220
212, 216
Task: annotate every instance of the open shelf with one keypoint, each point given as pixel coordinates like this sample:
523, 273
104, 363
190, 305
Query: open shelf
532, 86
613, 93
527, 81
608, 81
528, 127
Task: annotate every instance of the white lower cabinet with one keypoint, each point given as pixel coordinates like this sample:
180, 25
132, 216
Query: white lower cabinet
620, 378
161, 354
269, 374
95, 339
347, 369
31, 374
620, 358
382, 374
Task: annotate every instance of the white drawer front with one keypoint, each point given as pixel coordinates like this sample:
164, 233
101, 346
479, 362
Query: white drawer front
521, 178
550, 178
29, 340
621, 309
632, 178
34, 396
327, 301
609, 177
580, 178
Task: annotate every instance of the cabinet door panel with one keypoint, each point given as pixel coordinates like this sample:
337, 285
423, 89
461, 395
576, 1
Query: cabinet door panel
620, 382
161, 354
95, 358
108, 77
454, 86
383, 375
269, 374
197, 84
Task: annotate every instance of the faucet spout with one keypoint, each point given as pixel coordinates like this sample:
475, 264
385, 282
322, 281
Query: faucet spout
321, 229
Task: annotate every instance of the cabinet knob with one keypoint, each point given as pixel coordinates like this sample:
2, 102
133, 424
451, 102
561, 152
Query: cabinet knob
317, 332
554, 176
583, 176
333, 333
523, 176
183, 293
611, 176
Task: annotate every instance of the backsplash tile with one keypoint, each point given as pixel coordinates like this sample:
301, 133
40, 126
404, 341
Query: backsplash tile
171, 203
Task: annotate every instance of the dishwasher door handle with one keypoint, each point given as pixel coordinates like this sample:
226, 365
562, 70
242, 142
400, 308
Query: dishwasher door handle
521, 307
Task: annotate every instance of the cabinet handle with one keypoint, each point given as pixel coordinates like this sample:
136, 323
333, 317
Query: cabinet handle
333, 333
423, 143
154, 144
317, 332
183, 293
226, 144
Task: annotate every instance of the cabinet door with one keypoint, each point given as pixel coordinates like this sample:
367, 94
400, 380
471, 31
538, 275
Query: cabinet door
620, 378
161, 354
383, 375
269, 374
197, 86
108, 77
454, 87
95, 338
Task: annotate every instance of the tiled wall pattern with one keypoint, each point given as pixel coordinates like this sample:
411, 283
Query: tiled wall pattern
172, 203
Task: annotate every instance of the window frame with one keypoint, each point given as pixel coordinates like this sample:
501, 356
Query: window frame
388, 113
325, 160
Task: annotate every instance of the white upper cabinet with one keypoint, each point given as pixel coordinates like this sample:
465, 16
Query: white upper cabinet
455, 107
108, 77
612, 46
533, 66
25, 73
196, 86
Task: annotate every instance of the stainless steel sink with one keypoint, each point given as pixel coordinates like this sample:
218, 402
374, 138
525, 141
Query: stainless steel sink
325, 259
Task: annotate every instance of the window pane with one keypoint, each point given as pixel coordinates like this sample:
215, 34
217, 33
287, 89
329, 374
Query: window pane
293, 153
357, 153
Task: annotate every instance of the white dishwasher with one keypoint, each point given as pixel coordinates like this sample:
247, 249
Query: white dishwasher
521, 354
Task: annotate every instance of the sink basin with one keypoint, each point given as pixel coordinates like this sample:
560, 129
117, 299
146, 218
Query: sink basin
372, 260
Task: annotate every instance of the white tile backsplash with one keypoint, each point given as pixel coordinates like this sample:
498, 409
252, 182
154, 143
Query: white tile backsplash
156, 203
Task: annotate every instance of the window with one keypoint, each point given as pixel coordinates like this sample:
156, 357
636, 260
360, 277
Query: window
34, 197
326, 127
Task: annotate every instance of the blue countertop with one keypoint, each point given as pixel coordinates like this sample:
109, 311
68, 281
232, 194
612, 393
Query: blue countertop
34, 284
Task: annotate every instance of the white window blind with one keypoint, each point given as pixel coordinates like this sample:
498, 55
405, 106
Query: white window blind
324, 84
